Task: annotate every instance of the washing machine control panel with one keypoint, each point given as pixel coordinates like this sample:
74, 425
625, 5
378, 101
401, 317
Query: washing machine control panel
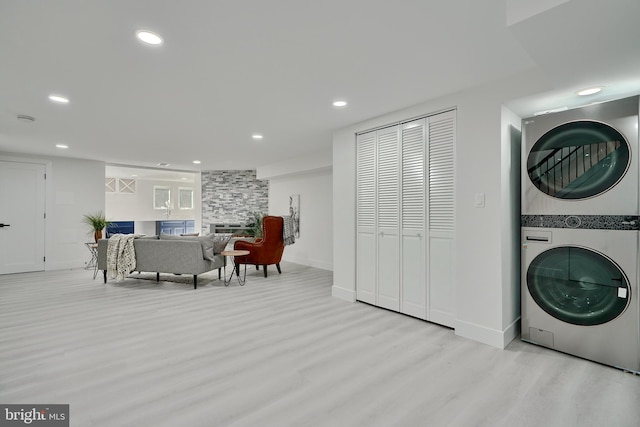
587, 222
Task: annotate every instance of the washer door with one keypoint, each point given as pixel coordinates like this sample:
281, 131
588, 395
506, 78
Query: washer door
578, 160
578, 285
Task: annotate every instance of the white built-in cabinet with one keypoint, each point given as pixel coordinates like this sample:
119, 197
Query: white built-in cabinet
405, 217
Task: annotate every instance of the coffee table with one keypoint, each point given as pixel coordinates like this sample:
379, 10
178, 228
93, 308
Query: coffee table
236, 268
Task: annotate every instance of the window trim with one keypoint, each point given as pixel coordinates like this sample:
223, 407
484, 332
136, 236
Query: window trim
180, 190
155, 196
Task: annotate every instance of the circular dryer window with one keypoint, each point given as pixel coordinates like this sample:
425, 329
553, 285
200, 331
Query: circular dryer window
578, 160
578, 285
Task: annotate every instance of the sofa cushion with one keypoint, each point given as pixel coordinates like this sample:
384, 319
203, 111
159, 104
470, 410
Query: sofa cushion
205, 241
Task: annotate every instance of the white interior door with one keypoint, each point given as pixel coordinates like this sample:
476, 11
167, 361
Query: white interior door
405, 218
441, 137
22, 203
388, 200
414, 282
366, 278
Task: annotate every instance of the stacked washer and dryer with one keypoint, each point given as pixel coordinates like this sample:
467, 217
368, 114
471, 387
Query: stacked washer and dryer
580, 233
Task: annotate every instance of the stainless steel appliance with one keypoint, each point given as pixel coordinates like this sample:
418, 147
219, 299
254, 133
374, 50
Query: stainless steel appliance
582, 161
580, 290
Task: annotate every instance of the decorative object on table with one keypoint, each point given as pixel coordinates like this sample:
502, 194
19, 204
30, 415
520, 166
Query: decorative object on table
267, 250
220, 242
97, 221
294, 211
254, 224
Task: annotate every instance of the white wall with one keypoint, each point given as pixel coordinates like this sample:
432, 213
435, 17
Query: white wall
310, 177
138, 206
511, 250
314, 246
479, 281
73, 188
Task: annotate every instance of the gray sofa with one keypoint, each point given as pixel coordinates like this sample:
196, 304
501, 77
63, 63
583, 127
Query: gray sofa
178, 256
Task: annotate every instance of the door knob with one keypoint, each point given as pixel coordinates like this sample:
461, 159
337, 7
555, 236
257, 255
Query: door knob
4, 225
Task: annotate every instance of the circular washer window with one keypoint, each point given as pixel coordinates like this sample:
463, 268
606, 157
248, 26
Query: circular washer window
578, 160
578, 285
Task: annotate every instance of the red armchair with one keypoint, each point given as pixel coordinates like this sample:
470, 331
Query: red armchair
267, 250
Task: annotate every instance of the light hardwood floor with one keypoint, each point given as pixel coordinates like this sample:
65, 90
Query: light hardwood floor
279, 351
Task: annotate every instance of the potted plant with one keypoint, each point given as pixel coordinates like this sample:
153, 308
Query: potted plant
97, 222
254, 224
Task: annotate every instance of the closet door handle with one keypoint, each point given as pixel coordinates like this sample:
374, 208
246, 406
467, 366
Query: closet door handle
4, 225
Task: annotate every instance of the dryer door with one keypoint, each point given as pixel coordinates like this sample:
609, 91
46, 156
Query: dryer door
578, 285
578, 160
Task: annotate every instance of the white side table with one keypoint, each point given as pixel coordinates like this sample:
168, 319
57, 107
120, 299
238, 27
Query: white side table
93, 263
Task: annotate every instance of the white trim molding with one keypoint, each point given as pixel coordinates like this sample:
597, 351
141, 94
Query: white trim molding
344, 294
493, 337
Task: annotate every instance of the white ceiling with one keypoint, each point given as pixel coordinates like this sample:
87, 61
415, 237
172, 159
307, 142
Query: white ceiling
149, 174
228, 69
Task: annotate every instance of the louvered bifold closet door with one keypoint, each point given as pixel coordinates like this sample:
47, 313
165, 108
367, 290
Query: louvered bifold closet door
366, 244
413, 287
441, 138
388, 198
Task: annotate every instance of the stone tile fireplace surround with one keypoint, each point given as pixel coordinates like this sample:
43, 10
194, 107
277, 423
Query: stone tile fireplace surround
229, 196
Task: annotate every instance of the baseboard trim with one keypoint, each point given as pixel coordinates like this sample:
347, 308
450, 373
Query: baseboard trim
512, 331
67, 265
343, 294
492, 337
442, 318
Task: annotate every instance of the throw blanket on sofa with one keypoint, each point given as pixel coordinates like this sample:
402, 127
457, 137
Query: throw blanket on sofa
287, 230
121, 256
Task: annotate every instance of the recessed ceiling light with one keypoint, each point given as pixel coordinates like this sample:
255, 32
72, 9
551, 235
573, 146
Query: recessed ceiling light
163, 164
59, 99
339, 103
63, 146
149, 38
196, 162
589, 91
134, 174
256, 136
